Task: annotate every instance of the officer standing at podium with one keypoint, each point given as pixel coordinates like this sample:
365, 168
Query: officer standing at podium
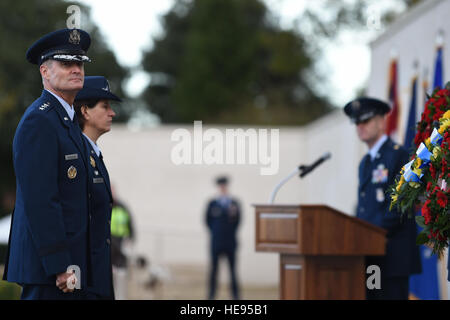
48, 228
377, 171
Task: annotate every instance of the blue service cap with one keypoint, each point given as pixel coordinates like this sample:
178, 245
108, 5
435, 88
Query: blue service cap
94, 88
222, 180
61, 45
364, 108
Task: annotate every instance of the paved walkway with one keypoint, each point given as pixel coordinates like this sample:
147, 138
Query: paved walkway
181, 282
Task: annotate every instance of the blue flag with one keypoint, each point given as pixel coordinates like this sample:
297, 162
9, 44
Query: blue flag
411, 124
438, 69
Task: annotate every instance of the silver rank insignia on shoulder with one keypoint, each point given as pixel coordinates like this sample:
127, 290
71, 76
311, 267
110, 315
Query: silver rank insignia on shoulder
44, 106
380, 194
72, 172
92, 161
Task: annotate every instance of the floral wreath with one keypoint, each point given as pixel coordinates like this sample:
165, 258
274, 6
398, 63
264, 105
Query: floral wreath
423, 180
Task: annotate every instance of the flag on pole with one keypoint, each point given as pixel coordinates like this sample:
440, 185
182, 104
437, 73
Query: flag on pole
411, 124
438, 69
425, 285
392, 120
425, 88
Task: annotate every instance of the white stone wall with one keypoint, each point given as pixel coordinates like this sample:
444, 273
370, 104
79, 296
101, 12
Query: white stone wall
168, 201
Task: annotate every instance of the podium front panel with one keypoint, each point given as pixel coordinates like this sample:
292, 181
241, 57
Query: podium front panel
278, 230
315, 230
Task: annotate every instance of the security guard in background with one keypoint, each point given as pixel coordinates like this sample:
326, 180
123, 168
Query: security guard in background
95, 115
50, 222
377, 172
223, 215
121, 230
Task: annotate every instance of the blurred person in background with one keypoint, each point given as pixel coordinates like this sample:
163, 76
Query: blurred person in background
223, 215
94, 112
122, 236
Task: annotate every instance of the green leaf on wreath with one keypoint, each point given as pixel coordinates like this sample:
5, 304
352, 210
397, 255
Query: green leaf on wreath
420, 221
422, 238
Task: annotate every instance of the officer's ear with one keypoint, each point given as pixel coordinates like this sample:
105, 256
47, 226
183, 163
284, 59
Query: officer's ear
383, 122
44, 69
84, 112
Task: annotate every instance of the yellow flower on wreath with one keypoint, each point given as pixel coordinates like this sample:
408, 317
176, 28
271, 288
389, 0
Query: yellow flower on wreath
400, 183
394, 198
414, 184
444, 126
418, 162
446, 115
436, 152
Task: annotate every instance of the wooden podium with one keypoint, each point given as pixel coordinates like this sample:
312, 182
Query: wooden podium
321, 250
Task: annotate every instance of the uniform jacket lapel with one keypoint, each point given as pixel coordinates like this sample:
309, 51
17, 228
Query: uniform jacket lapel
99, 165
384, 147
74, 130
104, 173
368, 165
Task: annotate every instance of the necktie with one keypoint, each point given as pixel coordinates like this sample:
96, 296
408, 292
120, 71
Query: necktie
367, 165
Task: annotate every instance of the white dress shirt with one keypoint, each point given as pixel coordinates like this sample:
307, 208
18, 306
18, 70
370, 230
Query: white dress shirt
69, 109
376, 147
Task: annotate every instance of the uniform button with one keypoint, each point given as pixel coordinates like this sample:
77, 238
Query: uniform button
109, 221
363, 194
108, 241
89, 195
362, 210
110, 204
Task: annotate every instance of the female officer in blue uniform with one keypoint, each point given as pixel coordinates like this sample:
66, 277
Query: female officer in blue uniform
94, 112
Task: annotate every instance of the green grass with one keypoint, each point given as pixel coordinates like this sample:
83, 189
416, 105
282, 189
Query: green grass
8, 290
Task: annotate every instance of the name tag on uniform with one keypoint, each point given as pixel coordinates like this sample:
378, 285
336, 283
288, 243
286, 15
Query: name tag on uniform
71, 156
98, 180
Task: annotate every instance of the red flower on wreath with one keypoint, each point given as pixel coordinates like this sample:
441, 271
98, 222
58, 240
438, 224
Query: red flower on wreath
426, 213
432, 171
442, 199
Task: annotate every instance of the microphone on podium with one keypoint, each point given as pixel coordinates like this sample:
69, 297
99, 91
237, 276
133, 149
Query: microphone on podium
307, 169
304, 170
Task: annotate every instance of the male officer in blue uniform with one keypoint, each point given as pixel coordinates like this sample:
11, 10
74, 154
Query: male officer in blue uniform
50, 222
377, 172
222, 218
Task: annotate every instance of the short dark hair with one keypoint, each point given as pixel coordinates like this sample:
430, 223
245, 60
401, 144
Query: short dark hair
77, 106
